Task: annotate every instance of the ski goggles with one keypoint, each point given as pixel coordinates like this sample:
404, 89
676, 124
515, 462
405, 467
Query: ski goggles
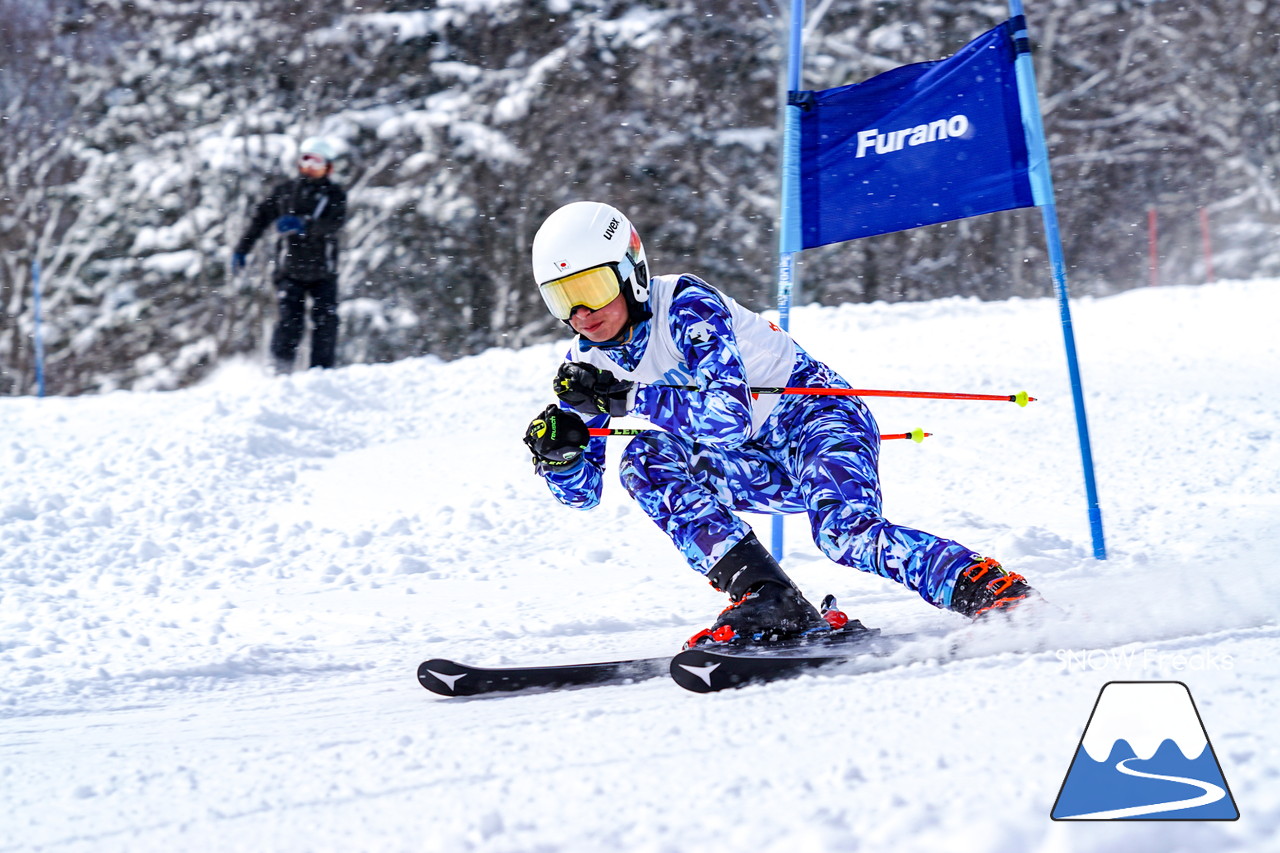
313, 164
593, 289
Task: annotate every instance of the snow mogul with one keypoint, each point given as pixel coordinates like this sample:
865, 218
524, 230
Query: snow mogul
722, 450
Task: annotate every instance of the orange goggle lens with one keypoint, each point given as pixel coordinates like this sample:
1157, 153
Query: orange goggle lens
594, 288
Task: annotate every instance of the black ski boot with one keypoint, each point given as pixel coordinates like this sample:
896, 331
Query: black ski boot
985, 587
766, 606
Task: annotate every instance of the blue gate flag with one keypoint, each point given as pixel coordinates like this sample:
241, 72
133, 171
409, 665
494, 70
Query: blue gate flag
918, 145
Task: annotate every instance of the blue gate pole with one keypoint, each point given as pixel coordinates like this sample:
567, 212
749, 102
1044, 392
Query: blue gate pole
38, 330
1042, 194
789, 216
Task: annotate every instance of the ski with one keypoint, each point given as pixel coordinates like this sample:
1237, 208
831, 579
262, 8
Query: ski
702, 669
450, 678
706, 669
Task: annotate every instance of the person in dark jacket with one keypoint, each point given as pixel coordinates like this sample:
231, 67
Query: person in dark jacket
308, 211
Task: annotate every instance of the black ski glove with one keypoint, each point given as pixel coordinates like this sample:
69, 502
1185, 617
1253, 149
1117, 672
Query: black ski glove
557, 440
591, 390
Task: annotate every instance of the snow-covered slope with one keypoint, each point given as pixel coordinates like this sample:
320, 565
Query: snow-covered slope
212, 604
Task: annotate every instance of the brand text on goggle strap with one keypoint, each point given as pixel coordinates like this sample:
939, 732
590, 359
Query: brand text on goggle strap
874, 142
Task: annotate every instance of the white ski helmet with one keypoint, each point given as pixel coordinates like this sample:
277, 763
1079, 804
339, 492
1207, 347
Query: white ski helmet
318, 146
585, 254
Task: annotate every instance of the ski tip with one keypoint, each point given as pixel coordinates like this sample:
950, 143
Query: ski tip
441, 676
694, 669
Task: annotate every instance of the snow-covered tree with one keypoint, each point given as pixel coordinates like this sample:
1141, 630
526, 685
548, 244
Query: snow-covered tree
139, 135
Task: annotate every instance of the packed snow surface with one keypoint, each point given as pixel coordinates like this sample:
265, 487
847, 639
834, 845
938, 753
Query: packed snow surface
213, 603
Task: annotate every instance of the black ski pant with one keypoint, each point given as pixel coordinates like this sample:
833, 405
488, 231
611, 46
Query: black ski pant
292, 295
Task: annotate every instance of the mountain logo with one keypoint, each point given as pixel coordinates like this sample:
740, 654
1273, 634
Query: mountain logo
1145, 755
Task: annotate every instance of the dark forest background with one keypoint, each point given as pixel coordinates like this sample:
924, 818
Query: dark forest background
137, 135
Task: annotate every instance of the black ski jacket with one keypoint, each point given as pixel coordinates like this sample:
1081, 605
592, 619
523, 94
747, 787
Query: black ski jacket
312, 254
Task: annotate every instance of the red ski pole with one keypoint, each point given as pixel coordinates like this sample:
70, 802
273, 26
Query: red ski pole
917, 435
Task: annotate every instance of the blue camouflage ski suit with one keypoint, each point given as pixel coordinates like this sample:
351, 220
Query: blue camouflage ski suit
722, 451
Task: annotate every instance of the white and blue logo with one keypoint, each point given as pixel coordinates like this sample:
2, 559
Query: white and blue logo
1145, 755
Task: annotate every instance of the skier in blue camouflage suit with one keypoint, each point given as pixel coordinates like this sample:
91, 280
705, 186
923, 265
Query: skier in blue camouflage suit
681, 354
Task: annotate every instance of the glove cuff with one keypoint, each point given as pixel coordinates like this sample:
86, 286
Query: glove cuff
541, 466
